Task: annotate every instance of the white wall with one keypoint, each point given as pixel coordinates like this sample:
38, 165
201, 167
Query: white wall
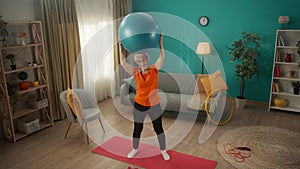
20, 10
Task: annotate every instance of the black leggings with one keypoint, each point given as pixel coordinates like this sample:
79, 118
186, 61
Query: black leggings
155, 113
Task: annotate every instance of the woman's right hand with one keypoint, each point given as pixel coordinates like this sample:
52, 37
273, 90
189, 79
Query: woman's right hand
119, 43
120, 46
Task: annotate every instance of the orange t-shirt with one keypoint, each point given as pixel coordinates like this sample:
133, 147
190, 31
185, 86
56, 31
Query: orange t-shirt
146, 86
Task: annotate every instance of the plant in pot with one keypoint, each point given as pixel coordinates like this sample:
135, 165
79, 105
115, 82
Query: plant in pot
13, 96
298, 51
23, 85
12, 58
296, 86
244, 53
3, 32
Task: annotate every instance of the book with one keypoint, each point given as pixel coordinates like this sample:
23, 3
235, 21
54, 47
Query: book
273, 87
279, 57
281, 40
277, 71
277, 87
278, 42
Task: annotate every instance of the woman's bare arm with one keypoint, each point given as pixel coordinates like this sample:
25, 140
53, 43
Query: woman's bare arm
160, 61
127, 67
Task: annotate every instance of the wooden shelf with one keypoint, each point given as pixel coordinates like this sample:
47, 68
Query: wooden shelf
25, 112
21, 69
30, 89
20, 135
286, 109
286, 78
31, 52
287, 63
25, 22
286, 94
22, 46
285, 42
287, 47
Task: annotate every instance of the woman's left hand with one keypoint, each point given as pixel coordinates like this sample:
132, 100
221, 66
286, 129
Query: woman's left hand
160, 40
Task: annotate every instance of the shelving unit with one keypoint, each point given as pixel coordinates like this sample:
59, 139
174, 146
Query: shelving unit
285, 43
23, 114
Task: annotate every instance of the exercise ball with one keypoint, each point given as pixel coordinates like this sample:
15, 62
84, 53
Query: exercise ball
138, 31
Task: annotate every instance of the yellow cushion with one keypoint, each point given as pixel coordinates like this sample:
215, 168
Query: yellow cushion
199, 89
206, 84
74, 103
213, 82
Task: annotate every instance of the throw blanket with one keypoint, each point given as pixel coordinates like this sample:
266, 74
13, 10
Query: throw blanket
209, 83
197, 101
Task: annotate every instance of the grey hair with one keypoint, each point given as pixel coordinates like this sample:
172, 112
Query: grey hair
144, 55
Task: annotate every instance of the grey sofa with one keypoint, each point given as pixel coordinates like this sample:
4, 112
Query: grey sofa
175, 90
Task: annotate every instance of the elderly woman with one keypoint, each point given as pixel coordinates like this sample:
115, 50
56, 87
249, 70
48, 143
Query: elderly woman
147, 99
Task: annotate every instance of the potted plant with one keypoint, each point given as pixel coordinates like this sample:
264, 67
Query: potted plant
298, 51
13, 96
3, 32
23, 85
296, 86
12, 59
244, 53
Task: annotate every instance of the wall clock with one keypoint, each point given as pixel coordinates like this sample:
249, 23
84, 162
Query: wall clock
203, 20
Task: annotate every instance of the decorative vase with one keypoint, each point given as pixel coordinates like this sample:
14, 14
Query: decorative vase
23, 41
288, 57
292, 74
296, 91
13, 67
280, 102
24, 85
240, 102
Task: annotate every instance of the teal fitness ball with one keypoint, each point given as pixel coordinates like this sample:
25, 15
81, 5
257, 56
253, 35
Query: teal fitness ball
138, 31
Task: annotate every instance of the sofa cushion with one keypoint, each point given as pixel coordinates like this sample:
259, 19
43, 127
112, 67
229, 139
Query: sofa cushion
131, 83
171, 83
175, 102
213, 82
167, 83
206, 85
199, 88
74, 103
175, 91
176, 83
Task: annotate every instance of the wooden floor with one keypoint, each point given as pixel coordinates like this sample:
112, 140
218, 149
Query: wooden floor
48, 149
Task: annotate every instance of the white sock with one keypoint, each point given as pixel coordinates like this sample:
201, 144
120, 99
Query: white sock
165, 155
132, 153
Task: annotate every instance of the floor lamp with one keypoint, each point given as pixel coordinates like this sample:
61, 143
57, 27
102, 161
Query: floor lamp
203, 48
283, 20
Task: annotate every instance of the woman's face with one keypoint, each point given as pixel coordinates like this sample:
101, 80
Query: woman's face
142, 61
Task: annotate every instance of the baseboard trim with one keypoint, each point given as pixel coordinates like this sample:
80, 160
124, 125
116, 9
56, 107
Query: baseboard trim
254, 102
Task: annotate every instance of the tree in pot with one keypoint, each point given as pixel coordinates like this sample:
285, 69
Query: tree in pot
13, 96
296, 86
3, 32
244, 53
298, 51
12, 59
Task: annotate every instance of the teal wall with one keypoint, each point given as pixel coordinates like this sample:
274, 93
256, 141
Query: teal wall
227, 20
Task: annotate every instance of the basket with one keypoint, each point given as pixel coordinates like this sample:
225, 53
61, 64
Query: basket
38, 104
28, 127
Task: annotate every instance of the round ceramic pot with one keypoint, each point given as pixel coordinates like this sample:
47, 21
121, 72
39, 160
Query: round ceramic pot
24, 85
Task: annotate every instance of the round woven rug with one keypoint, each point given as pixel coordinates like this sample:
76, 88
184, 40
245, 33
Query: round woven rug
270, 147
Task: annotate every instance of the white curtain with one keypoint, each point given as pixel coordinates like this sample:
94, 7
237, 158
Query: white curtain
96, 39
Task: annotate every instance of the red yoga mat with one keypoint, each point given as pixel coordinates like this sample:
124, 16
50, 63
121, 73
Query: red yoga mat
149, 156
